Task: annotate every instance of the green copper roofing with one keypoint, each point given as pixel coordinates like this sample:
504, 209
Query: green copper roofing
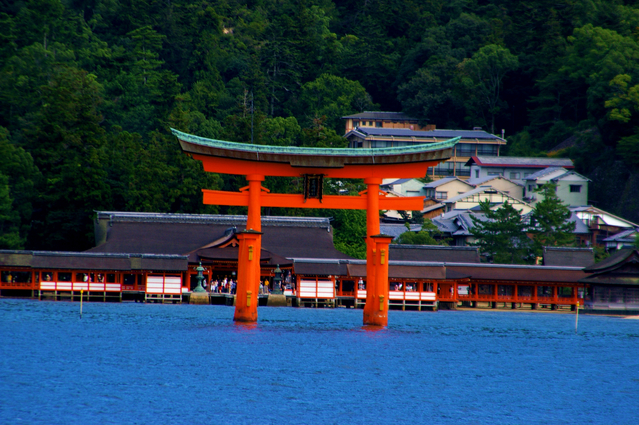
294, 150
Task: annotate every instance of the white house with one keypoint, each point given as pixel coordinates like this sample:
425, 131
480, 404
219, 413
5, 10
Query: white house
512, 167
501, 183
572, 187
471, 199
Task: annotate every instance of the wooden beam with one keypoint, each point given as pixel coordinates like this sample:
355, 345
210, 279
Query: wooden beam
236, 166
241, 199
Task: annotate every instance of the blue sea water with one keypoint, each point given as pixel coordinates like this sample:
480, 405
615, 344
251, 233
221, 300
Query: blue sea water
180, 364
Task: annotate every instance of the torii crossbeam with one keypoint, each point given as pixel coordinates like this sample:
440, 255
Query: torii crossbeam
257, 161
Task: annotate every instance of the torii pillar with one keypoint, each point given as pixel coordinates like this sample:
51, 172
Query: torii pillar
376, 307
248, 260
255, 162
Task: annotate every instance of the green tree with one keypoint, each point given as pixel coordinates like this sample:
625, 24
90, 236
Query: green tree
549, 220
501, 234
9, 219
428, 235
483, 76
22, 179
319, 136
333, 97
350, 232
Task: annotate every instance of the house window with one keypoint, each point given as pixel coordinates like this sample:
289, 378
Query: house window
465, 149
514, 175
575, 188
476, 174
355, 123
378, 124
488, 150
441, 195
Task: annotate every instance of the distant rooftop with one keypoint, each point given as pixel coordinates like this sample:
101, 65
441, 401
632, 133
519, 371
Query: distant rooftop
229, 220
522, 162
544, 172
485, 179
381, 115
398, 181
421, 134
440, 182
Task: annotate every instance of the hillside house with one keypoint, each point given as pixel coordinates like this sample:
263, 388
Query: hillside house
378, 119
513, 168
500, 183
391, 129
572, 188
470, 200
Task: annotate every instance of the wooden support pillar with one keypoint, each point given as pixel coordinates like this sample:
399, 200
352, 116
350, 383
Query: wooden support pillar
372, 229
248, 276
248, 262
376, 309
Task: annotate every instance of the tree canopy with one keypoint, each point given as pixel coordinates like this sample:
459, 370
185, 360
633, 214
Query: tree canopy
500, 234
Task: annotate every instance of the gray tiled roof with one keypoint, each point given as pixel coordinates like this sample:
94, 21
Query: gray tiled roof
228, 220
580, 226
431, 134
396, 229
624, 236
544, 172
440, 182
382, 115
184, 233
399, 181
486, 179
432, 208
475, 191
568, 256
445, 224
519, 161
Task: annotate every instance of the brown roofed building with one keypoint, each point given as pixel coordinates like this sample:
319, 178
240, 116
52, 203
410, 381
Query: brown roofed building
568, 256
614, 284
435, 253
285, 237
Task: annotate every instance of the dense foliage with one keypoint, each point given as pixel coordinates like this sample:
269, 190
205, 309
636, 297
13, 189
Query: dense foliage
89, 89
429, 234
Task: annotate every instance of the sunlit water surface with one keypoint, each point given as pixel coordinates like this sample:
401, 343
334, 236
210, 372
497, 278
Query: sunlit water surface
180, 364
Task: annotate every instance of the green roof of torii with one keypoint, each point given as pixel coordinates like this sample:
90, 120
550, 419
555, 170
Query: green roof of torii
417, 152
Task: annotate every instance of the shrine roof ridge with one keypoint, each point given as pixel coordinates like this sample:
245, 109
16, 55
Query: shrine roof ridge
296, 150
230, 220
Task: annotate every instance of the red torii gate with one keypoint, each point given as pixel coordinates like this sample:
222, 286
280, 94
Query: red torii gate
314, 164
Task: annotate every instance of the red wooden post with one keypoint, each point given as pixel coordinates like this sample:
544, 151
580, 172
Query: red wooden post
248, 277
377, 300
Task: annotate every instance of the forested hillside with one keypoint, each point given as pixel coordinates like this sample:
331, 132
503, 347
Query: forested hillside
89, 89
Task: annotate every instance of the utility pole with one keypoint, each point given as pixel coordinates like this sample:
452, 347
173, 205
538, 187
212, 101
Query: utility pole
252, 114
